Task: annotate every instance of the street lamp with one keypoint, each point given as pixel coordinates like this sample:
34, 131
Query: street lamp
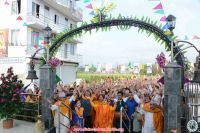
47, 36
171, 22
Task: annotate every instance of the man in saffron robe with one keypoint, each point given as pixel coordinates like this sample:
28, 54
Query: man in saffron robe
104, 113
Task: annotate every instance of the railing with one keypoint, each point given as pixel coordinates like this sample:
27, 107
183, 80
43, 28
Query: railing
128, 127
29, 110
42, 20
8, 60
60, 113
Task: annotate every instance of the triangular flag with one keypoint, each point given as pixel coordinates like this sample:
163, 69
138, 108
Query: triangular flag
19, 18
35, 46
58, 79
159, 11
92, 13
89, 6
6, 3
164, 19
196, 37
186, 37
40, 38
85, 1
25, 24
159, 6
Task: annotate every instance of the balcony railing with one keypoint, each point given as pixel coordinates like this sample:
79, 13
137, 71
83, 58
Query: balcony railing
68, 8
8, 60
41, 21
72, 58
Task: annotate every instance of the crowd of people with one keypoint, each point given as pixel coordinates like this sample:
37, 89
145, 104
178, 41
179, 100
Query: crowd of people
97, 105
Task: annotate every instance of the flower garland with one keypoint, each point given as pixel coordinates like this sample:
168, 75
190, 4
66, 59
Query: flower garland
161, 60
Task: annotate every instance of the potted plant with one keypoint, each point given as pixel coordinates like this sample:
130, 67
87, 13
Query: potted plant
9, 97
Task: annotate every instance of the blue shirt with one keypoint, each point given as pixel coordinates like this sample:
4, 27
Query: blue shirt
131, 103
85, 103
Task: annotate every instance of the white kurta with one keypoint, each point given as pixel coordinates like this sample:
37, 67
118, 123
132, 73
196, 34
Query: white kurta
148, 122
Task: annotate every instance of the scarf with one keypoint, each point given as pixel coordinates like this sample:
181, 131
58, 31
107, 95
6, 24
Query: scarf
157, 117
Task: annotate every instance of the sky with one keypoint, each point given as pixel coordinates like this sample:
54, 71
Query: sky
118, 47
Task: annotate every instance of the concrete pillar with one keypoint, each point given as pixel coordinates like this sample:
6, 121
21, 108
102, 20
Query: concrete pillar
173, 82
47, 85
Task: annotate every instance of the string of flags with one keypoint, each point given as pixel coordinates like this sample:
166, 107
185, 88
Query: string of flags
89, 6
159, 10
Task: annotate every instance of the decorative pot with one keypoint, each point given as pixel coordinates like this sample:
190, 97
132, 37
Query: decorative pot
8, 123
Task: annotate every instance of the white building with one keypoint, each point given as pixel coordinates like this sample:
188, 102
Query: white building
19, 39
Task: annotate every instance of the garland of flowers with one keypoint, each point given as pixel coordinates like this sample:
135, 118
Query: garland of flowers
161, 60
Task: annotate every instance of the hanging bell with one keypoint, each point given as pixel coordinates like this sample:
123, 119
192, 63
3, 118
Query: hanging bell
32, 75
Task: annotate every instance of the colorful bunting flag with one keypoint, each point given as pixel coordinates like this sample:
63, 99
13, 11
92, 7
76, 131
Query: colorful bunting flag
25, 24
159, 6
35, 46
89, 6
6, 3
164, 19
86, 1
92, 13
40, 38
159, 11
196, 37
19, 18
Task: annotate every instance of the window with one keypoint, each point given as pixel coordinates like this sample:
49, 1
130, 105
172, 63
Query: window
35, 9
56, 19
46, 15
72, 49
34, 38
66, 19
16, 7
66, 51
15, 37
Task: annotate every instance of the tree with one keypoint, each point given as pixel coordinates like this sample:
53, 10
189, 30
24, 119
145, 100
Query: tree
9, 94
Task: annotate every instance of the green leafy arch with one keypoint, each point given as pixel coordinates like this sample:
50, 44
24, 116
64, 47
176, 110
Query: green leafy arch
145, 24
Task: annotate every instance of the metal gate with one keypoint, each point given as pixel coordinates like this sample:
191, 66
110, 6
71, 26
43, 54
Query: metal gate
191, 101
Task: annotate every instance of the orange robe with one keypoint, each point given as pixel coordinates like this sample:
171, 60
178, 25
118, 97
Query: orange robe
104, 115
79, 112
157, 117
63, 108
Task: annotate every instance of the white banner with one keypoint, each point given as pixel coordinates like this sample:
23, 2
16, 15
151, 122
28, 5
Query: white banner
136, 68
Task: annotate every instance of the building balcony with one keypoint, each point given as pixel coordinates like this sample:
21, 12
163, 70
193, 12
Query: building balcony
39, 21
67, 8
10, 60
72, 58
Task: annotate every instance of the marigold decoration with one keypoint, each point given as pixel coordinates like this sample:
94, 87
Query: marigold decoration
54, 62
10, 88
161, 60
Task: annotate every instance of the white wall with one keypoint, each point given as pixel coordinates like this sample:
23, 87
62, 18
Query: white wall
67, 73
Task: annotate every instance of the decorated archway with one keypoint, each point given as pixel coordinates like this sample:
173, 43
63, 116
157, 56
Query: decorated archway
144, 25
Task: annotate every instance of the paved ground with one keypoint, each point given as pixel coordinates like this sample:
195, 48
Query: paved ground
19, 127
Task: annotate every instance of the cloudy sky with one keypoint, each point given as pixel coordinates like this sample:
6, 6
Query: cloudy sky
123, 46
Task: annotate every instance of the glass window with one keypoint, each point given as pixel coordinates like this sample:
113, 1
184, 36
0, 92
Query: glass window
72, 49
56, 19
15, 37
14, 8
34, 38
35, 10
